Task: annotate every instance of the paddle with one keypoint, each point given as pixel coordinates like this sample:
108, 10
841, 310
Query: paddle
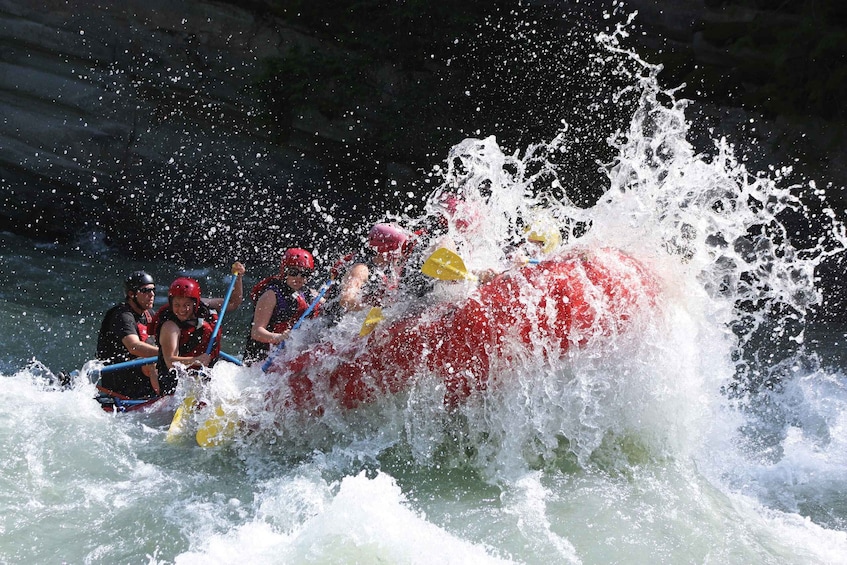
178, 422
128, 364
217, 329
446, 265
230, 358
147, 360
218, 428
373, 318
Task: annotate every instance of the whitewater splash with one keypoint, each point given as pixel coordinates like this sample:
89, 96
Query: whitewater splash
733, 286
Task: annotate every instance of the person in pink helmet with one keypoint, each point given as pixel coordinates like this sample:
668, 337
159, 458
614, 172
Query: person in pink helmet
373, 278
280, 301
453, 217
466, 217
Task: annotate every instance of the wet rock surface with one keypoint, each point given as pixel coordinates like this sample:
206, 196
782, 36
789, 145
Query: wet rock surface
159, 124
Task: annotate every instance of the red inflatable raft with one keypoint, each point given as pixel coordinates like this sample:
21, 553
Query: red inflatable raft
543, 309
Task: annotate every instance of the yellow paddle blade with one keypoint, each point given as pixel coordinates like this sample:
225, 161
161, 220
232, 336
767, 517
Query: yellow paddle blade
446, 265
216, 430
373, 318
177, 426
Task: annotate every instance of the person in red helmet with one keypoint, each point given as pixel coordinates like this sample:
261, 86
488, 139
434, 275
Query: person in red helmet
465, 217
185, 327
124, 336
280, 301
451, 223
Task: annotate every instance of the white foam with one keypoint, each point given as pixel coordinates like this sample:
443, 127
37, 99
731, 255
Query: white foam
360, 520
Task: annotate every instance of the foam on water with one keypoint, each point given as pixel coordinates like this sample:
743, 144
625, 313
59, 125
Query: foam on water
361, 519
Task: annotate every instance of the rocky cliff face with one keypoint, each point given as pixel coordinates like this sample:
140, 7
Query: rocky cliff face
133, 119
167, 127
767, 72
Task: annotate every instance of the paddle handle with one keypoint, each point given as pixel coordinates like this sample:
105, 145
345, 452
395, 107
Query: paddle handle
146, 360
267, 364
221, 315
128, 364
231, 359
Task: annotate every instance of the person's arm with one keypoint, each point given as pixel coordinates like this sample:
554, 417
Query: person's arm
262, 316
139, 348
152, 373
351, 287
169, 345
237, 291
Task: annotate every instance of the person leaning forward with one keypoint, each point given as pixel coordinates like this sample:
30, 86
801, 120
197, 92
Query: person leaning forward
124, 336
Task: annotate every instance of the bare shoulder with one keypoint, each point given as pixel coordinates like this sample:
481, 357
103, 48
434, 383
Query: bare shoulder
359, 270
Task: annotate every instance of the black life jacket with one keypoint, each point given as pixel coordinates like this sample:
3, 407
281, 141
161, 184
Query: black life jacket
290, 306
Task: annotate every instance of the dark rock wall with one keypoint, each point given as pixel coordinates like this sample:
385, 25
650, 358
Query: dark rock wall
132, 118
191, 129
766, 71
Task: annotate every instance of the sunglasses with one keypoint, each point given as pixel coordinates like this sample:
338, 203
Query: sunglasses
296, 272
146, 290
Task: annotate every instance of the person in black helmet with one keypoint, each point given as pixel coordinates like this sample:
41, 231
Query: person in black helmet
124, 336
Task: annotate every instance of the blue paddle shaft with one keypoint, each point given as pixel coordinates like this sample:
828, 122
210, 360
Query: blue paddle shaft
127, 364
146, 360
221, 315
231, 359
314, 303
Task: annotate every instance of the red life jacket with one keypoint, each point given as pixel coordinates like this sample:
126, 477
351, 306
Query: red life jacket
259, 288
156, 321
194, 335
144, 326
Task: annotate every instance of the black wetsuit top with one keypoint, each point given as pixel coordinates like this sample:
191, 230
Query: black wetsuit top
120, 321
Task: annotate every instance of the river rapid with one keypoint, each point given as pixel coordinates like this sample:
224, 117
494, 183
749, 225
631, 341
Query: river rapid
712, 431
